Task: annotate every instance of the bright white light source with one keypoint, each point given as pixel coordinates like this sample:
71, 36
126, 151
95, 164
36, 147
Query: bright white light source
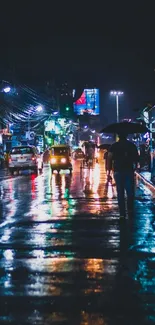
7, 89
63, 160
53, 161
116, 93
146, 135
39, 108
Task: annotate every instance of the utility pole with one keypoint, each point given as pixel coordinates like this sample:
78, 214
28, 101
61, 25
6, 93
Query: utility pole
117, 108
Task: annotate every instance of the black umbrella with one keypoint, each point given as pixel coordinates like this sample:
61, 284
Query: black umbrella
125, 127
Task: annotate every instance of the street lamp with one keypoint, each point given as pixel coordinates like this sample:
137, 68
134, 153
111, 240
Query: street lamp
7, 90
39, 108
117, 94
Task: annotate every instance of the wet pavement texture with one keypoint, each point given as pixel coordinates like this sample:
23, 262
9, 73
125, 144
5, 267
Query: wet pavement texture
66, 258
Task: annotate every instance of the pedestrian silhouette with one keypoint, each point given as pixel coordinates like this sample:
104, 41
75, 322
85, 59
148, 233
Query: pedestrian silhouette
122, 159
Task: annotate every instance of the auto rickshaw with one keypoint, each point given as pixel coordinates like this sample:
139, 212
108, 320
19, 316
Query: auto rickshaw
60, 158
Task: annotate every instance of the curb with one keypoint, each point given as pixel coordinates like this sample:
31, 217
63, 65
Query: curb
146, 182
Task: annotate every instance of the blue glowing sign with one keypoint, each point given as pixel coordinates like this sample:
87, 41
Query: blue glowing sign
88, 102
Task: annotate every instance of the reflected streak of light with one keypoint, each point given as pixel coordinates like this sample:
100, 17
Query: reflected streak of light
37, 188
96, 319
40, 188
53, 184
38, 253
9, 254
85, 177
55, 209
33, 187
43, 227
65, 204
59, 209
11, 189
12, 211
142, 275
93, 266
145, 242
90, 176
39, 237
96, 179
63, 183
110, 191
7, 284
54, 189
12, 205
113, 241
6, 235
92, 180
61, 264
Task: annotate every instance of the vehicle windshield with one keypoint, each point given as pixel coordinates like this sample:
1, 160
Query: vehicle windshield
21, 151
60, 151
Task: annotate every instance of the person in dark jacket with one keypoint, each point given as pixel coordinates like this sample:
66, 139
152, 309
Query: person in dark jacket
123, 158
109, 178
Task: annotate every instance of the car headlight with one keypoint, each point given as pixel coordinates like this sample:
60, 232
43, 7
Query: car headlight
63, 160
53, 161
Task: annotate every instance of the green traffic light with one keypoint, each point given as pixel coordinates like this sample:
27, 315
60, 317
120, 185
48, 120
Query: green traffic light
49, 140
67, 108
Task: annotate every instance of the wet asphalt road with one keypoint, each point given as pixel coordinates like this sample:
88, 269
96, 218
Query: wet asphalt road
65, 256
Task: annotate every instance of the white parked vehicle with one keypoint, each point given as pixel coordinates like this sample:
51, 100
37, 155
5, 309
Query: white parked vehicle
25, 157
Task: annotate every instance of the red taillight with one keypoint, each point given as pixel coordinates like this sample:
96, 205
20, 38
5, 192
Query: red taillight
10, 159
33, 158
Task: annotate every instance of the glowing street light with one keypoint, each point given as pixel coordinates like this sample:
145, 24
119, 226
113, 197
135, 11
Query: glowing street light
39, 108
7, 90
117, 94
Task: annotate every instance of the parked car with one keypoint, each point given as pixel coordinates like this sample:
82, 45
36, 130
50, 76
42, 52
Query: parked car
25, 157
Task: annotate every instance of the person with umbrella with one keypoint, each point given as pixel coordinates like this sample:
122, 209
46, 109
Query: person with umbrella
123, 159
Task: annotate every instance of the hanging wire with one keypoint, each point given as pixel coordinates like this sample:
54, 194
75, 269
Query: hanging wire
21, 103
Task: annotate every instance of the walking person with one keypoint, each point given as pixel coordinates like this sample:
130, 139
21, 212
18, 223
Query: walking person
123, 158
105, 157
90, 156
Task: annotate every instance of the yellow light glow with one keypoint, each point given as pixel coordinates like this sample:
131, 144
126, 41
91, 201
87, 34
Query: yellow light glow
53, 161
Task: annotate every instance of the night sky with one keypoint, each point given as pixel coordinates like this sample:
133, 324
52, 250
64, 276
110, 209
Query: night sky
109, 46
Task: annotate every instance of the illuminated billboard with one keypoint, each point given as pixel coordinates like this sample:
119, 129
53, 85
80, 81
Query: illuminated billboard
88, 102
